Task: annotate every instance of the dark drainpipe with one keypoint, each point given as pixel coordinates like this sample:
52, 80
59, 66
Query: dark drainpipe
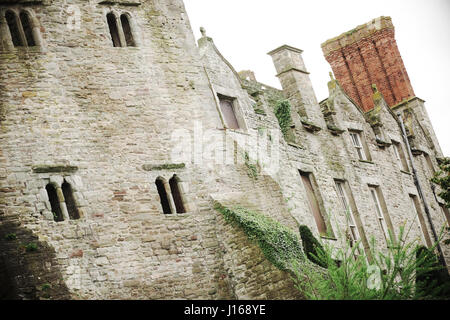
419, 189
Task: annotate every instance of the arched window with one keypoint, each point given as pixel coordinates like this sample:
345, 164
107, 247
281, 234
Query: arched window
27, 28
12, 21
112, 23
176, 194
54, 202
70, 201
127, 30
163, 196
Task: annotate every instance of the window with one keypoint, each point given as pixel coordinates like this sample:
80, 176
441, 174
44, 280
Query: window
228, 112
127, 30
380, 213
121, 37
359, 145
422, 227
20, 28
344, 199
445, 213
400, 156
13, 25
430, 164
27, 28
174, 183
54, 202
70, 201
113, 30
313, 202
161, 186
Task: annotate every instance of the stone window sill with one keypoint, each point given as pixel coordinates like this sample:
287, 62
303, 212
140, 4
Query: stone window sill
366, 161
328, 238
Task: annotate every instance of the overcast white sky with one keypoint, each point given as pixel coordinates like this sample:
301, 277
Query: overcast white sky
245, 30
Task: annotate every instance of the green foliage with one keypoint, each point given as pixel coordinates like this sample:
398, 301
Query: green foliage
283, 114
311, 246
436, 282
252, 169
11, 236
279, 244
442, 178
390, 276
30, 247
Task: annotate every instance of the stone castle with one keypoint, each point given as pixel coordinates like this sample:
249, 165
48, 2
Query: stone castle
119, 133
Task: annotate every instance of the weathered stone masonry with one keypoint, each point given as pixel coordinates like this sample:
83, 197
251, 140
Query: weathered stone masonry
112, 120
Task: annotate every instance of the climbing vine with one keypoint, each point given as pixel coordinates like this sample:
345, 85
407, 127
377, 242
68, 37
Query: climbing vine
279, 244
442, 178
252, 169
283, 114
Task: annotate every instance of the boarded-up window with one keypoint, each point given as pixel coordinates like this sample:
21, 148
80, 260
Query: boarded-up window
70, 201
422, 226
27, 28
114, 31
313, 202
176, 194
160, 185
54, 203
228, 112
12, 21
127, 30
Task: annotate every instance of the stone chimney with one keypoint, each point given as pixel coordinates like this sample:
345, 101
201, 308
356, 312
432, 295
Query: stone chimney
296, 84
369, 55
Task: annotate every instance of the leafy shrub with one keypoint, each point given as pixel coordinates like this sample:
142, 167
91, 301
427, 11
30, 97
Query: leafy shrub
311, 246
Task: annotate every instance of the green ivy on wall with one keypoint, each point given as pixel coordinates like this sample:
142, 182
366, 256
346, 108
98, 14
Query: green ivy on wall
280, 245
283, 114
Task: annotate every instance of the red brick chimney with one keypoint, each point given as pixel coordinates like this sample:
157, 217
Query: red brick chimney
369, 55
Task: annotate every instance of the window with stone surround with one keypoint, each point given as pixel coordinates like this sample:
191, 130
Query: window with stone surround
177, 194
120, 30
55, 203
70, 201
313, 200
430, 165
126, 28
360, 145
161, 186
22, 28
113, 29
445, 212
13, 26
420, 220
344, 198
227, 107
400, 156
380, 210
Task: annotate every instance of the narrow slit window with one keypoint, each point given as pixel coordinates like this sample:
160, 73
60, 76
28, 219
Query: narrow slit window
114, 31
27, 28
127, 30
160, 185
11, 19
70, 201
54, 203
176, 194
430, 164
313, 202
